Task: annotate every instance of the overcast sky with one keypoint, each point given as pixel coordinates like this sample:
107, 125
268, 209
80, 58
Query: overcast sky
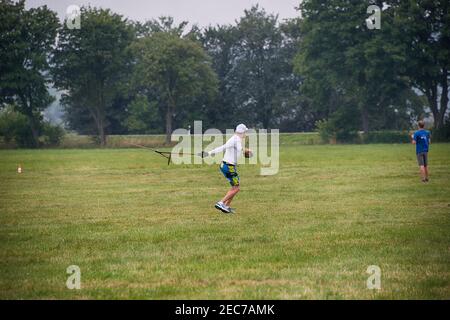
202, 12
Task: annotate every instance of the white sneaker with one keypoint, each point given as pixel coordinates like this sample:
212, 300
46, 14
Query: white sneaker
222, 207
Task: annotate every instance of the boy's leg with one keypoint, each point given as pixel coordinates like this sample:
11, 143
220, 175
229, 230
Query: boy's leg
228, 202
230, 173
422, 160
423, 173
230, 195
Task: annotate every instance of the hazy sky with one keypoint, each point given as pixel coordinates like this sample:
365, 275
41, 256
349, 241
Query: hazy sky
202, 12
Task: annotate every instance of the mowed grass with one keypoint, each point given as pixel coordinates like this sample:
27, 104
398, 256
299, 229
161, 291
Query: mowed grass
139, 229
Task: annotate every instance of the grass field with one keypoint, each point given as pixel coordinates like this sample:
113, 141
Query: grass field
138, 228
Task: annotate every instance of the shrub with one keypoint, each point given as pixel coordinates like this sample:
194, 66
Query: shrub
442, 134
386, 137
51, 134
325, 131
15, 128
330, 133
347, 136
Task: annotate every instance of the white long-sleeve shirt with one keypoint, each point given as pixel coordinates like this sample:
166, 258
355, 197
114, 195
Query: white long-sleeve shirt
233, 150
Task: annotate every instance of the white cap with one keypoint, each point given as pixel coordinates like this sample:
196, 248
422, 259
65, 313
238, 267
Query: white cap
241, 128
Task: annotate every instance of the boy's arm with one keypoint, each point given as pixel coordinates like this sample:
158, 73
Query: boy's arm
413, 140
220, 149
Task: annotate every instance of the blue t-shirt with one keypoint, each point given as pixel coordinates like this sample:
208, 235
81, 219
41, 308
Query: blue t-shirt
422, 138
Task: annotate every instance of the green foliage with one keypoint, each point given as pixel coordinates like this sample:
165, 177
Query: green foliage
253, 61
331, 133
92, 64
52, 135
26, 38
120, 76
442, 134
164, 24
340, 127
174, 71
326, 132
261, 82
345, 65
15, 129
386, 137
219, 42
423, 28
143, 116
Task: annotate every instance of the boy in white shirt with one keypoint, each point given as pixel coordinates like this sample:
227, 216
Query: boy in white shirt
233, 151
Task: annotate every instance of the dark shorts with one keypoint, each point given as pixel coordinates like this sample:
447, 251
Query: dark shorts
422, 159
229, 171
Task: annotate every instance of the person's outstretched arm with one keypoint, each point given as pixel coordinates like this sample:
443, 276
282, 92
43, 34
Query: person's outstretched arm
229, 144
218, 149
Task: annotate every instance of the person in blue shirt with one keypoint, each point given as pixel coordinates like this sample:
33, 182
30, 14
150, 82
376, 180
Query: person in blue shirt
421, 138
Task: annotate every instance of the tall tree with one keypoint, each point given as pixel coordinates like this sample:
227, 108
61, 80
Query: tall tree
176, 70
219, 42
26, 39
92, 64
424, 26
253, 60
349, 66
262, 68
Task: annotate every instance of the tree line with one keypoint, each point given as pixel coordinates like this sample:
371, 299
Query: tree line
323, 70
